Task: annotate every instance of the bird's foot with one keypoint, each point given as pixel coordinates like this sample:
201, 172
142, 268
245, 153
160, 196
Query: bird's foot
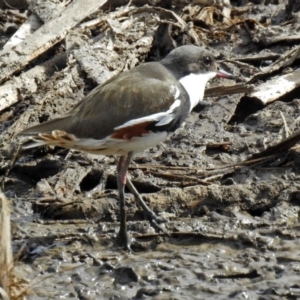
128, 243
125, 241
154, 219
148, 213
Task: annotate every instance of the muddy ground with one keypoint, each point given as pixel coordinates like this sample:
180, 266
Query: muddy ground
233, 229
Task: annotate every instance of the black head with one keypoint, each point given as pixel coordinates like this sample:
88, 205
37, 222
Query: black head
191, 59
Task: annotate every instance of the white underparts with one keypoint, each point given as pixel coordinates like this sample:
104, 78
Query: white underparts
113, 146
195, 84
108, 145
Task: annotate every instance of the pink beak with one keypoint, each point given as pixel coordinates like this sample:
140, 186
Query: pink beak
223, 74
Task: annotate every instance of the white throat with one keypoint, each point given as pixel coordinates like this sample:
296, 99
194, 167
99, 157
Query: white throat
195, 84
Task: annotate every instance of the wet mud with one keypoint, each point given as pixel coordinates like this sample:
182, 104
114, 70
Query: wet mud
233, 229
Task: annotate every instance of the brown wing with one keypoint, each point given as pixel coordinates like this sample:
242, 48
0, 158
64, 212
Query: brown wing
117, 101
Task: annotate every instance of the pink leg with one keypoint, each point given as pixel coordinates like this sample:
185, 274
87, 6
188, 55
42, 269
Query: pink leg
122, 168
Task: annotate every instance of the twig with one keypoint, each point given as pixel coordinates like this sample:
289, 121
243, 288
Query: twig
228, 90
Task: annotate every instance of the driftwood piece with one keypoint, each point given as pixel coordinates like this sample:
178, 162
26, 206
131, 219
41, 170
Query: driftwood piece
15, 59
28, 27
228, 90
277, 87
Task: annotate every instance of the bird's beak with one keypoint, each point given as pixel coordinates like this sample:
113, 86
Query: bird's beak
223, 74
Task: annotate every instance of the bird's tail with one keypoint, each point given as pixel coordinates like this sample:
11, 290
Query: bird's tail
52, 132
60, 124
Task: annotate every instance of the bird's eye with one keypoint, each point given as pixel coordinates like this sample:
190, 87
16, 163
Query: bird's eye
207, 60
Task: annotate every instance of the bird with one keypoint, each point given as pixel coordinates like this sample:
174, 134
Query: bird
131, 112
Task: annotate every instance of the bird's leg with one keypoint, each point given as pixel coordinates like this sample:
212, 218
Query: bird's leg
121, 179
149, 214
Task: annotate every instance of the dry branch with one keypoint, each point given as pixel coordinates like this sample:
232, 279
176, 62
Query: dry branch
285, 60
279, 148
228, 90
6, 260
